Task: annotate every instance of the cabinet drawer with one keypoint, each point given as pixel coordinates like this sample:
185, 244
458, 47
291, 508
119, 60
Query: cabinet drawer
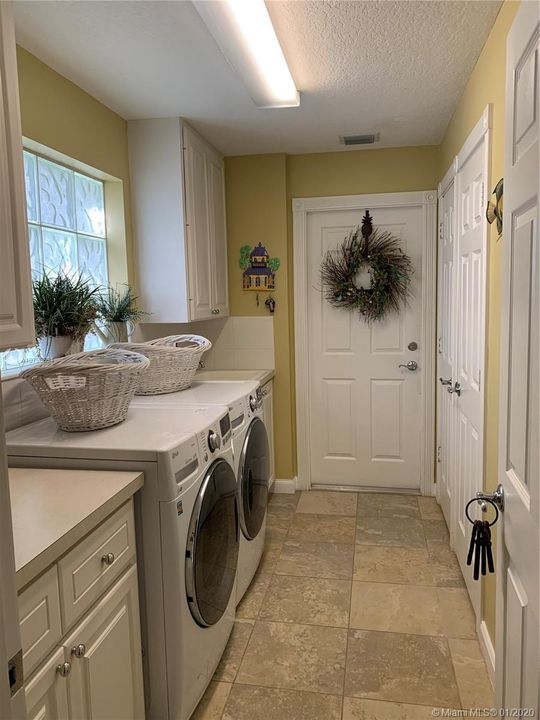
39, 617
90, 568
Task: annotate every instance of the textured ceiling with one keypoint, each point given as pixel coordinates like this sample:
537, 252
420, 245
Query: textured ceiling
397, 68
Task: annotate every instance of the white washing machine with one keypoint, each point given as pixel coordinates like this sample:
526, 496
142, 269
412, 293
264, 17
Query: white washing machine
251, 457
187, 531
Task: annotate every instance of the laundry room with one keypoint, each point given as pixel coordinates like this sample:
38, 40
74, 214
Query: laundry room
269, 340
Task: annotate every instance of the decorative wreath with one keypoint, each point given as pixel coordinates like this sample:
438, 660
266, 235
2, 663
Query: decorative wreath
389, 268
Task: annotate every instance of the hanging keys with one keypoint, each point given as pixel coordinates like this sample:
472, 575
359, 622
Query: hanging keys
480, 553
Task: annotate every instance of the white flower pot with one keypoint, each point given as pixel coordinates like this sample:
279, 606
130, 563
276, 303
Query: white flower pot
113, 332
54, 346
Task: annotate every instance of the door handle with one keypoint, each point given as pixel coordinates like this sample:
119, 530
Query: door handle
445, 382
456, 389
412, 365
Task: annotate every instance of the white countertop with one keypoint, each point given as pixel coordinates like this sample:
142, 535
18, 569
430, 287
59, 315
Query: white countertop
53, 509
262, 376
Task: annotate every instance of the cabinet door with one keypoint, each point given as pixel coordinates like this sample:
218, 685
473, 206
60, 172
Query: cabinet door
106, 680
197, 226
268, 412
46, 692
16, 314
218, 235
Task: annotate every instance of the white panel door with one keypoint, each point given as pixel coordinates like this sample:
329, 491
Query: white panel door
517, 656
469, 371
197, 226
365, 411
446, 349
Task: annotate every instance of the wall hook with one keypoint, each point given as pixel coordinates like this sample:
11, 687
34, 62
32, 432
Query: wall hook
270, 304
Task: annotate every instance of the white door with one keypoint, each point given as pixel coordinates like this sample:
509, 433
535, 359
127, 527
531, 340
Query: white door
365, 410
197, 227
106, 682
446, 345
469, 356
517, 655
218, 234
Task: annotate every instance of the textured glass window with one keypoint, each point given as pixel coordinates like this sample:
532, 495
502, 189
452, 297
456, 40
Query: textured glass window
66, 231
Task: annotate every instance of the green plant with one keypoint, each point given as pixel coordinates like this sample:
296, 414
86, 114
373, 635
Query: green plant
117, 306
245, 252
63, 305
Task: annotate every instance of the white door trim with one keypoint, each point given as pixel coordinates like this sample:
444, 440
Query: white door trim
427, 200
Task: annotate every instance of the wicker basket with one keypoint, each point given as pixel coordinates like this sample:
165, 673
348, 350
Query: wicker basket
89, 390
173, 362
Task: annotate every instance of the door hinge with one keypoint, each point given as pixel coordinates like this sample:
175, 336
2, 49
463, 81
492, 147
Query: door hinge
439, 454
441, 231
439, 345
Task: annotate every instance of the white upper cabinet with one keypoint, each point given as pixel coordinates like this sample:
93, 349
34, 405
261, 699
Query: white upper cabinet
16, 314
178, 196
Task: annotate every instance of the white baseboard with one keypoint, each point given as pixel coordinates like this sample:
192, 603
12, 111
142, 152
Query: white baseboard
488, 651
284, 486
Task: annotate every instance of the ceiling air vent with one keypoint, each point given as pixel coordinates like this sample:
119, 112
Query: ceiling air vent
359, 139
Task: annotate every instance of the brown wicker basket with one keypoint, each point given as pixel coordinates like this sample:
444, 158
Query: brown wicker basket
173, 362
88, 390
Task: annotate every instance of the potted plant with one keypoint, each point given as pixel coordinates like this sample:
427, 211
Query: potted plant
64, 311
117, 313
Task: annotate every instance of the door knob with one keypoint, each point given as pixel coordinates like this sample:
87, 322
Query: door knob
412, 365
456, 389
445, 382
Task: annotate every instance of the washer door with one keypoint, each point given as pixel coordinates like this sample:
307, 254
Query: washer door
254, 475
212, 545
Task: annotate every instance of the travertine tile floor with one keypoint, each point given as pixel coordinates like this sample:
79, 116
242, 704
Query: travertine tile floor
358, 612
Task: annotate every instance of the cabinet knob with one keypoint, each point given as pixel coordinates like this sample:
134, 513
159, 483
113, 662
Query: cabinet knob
63, 669
108, 559
79, 650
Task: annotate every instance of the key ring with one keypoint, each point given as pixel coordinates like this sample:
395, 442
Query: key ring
483, 500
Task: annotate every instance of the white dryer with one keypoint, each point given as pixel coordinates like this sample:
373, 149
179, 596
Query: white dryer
251, 457
187, 528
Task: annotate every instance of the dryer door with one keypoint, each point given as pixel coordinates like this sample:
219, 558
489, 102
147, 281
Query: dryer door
254, 475
212, 545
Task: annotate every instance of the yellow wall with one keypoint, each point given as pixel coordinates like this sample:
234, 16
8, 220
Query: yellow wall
58, 114
257, 212
260, 189
486, 85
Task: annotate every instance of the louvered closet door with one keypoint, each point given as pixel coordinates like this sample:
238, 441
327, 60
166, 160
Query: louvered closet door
446, 349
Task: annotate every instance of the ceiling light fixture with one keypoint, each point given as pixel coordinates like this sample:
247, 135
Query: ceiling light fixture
245, 35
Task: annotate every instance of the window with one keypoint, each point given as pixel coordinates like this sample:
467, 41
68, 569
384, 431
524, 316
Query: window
66, 231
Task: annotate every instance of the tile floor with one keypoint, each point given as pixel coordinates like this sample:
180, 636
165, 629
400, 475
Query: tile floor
358, 612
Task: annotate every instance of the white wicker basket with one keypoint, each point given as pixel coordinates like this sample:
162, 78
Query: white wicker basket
89, 390
173, 362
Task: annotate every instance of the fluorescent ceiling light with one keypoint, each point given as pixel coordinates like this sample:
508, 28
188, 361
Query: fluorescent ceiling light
245, 35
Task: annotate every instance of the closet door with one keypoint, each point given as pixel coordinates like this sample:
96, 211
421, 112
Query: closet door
470, 329
446, 343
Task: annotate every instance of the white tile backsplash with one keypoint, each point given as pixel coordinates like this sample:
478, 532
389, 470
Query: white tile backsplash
238, 343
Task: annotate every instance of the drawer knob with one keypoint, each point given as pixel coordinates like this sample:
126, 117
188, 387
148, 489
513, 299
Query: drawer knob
108, 559
63, 669
79, 650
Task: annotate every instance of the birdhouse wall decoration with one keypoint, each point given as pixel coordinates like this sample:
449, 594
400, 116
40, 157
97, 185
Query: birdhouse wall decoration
259, 269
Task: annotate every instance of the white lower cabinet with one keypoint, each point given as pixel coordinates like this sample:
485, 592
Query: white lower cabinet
47, 691
104, 651
86, 666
